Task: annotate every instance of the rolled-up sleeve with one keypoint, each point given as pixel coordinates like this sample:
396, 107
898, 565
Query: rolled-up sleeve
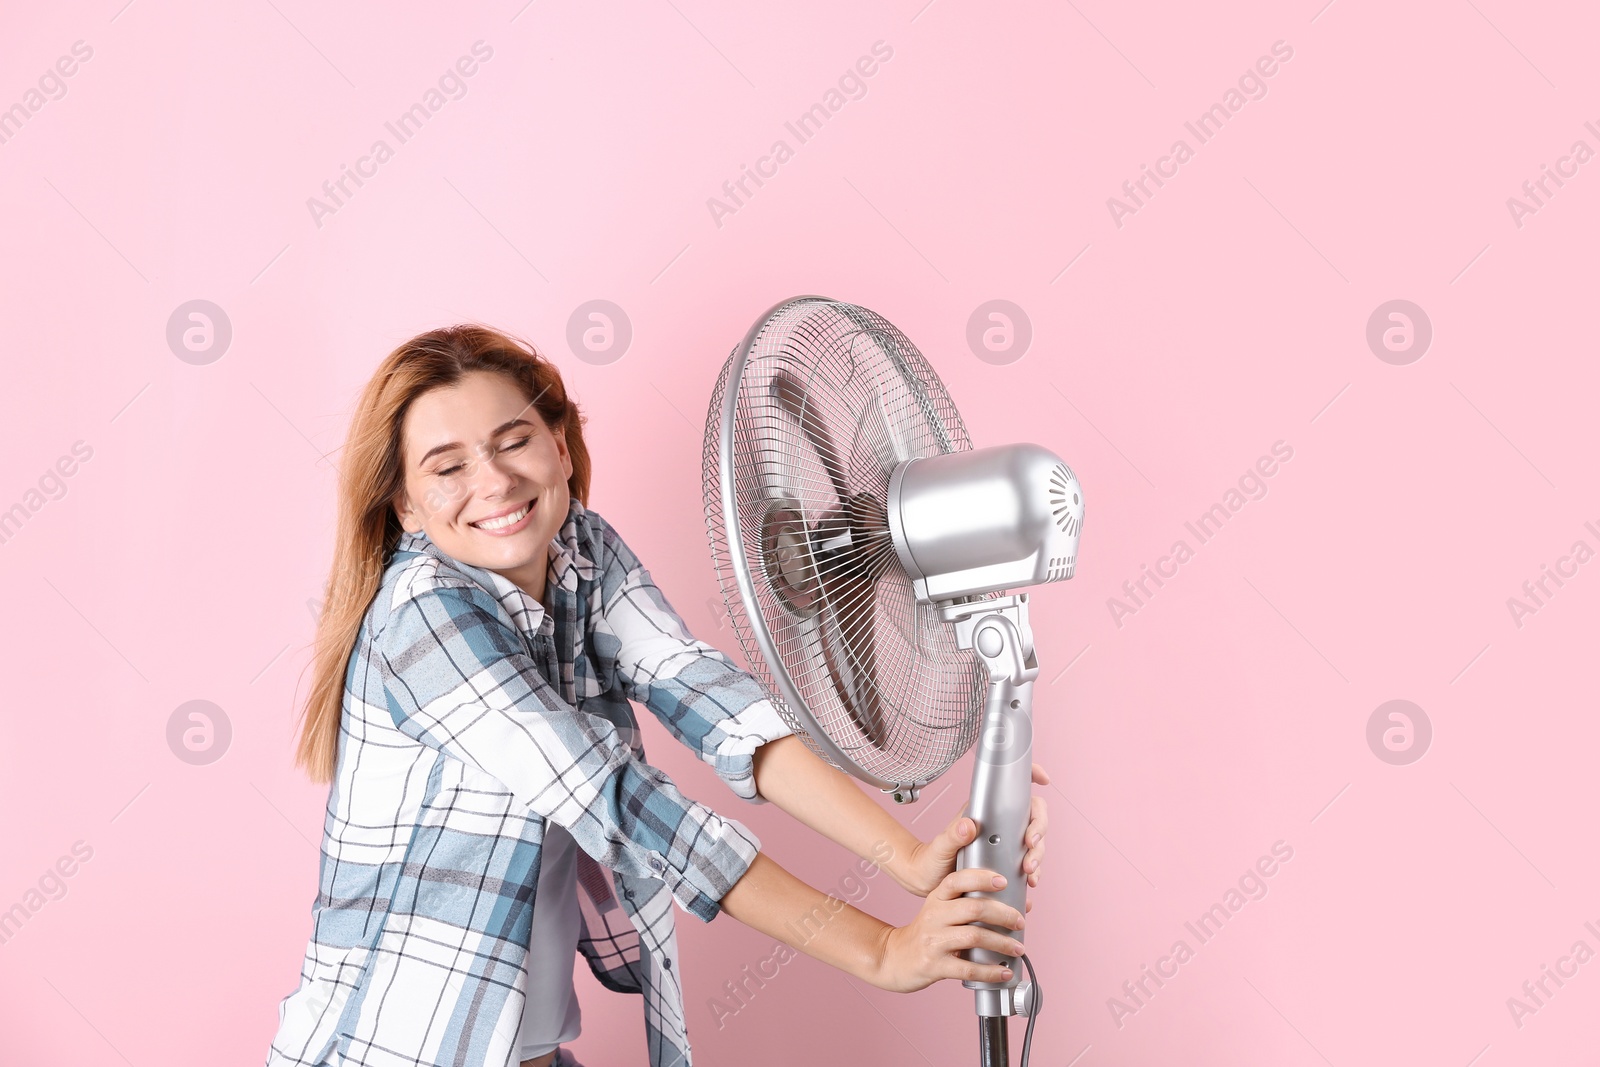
715, 709
460, 681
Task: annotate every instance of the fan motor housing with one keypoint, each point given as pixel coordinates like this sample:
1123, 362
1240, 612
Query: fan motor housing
985, 520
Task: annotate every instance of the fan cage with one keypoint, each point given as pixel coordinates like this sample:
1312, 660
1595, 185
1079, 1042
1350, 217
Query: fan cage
867, 400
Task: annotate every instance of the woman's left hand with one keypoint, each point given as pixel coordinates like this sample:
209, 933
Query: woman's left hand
932, 860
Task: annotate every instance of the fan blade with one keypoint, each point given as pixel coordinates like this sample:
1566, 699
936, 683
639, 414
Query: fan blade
848, 585
854, 682
876, 433
791, 396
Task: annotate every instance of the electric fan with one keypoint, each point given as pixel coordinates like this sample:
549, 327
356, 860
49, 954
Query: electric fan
867, 553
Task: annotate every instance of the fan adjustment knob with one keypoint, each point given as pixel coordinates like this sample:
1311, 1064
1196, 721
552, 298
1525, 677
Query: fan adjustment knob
990, 641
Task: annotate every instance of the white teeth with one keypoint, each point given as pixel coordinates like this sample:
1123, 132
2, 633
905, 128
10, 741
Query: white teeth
504, 520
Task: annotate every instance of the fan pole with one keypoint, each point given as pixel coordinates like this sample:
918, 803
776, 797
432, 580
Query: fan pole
1002, 790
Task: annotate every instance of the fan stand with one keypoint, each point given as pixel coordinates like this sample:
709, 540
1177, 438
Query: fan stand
1002, 786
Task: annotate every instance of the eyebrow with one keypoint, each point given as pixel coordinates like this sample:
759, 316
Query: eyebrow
496, 432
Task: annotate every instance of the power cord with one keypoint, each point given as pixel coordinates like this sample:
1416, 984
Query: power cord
1035, 1002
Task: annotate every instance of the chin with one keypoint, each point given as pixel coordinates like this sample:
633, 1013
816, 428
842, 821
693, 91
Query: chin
517, 551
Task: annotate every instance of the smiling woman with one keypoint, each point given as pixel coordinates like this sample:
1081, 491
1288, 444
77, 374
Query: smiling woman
427, 371
492, 815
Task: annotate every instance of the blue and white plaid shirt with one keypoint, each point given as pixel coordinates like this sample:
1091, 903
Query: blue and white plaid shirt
471, 716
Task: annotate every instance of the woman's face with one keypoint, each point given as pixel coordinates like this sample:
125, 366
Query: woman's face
485, 478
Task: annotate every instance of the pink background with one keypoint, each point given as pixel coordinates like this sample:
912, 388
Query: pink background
1228, 313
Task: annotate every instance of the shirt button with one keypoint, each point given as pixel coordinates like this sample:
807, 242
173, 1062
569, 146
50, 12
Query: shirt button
655, 863
667, 963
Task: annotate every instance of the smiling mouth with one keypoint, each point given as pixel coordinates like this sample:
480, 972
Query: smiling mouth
500, 522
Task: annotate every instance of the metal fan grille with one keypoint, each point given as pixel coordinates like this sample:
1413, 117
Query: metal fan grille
830, 397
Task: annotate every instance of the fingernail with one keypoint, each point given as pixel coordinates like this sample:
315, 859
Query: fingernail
1035, 839
999, 881
1005, 972
1016, 948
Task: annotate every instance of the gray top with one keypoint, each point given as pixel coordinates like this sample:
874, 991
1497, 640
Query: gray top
550, 1015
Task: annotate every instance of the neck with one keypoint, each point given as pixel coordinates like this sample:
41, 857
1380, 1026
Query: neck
531, 579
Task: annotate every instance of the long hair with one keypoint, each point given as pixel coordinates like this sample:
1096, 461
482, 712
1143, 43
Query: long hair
372, 476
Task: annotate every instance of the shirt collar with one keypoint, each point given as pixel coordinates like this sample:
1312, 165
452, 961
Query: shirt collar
568, 564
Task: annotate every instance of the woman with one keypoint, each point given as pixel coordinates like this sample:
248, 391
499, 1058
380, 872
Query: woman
483, 635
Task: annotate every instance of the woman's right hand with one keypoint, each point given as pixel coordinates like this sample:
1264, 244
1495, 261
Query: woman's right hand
926, 950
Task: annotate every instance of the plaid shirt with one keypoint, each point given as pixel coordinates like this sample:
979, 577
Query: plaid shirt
471, 716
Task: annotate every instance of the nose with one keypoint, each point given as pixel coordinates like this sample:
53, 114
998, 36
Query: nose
495, 480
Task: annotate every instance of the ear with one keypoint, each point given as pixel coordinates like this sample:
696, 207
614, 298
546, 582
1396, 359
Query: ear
410, 521
564, 452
